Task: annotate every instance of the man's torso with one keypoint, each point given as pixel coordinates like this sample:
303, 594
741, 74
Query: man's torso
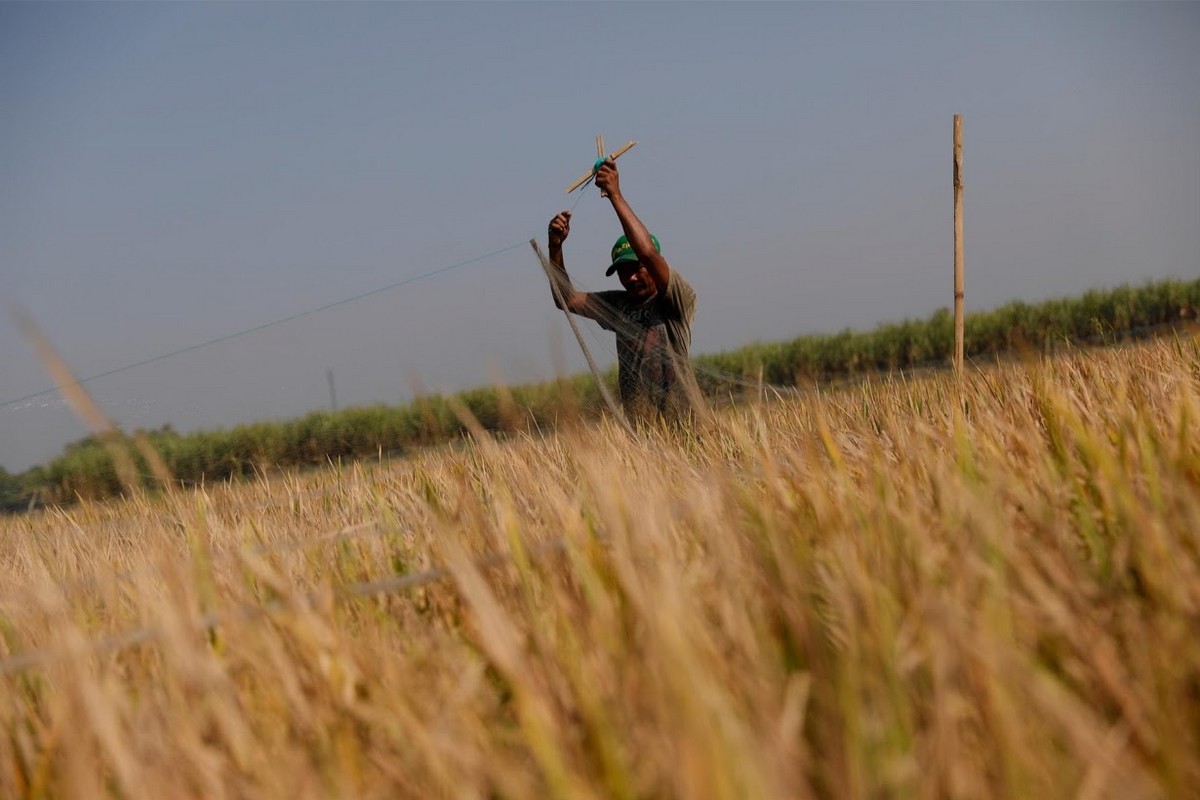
653, 342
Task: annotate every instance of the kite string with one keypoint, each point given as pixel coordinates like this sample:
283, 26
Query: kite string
582, 192
280, 321
265, 325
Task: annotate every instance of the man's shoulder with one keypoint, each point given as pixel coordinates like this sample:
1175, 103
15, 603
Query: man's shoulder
679, 295
677, 283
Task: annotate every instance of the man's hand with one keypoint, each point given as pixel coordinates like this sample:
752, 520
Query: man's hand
560, 228
608, 181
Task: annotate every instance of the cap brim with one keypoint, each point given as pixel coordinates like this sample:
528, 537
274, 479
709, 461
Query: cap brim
617, 264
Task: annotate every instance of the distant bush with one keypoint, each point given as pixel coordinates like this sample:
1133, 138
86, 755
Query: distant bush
85, 469
12, 495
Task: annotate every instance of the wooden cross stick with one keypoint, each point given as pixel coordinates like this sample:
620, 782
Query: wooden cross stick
600, 157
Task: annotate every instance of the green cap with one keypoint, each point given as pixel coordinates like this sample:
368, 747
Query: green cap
622, 252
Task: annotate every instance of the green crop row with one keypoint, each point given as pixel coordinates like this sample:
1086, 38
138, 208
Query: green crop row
1099, 316
86, 468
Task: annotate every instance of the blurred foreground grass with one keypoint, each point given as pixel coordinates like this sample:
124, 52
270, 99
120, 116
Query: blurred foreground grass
901, 589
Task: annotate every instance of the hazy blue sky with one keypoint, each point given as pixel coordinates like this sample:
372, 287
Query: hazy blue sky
170, 173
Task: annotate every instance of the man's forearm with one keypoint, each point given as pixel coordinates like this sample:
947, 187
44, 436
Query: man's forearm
641, 242
556, 255
635, 231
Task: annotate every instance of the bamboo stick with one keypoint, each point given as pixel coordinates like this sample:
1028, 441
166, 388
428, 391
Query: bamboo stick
959, 291
581, 181
556, 288
623, 149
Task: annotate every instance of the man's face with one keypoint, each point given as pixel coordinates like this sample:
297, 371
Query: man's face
636, 280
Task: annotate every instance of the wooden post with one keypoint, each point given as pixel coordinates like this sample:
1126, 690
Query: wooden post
959, 292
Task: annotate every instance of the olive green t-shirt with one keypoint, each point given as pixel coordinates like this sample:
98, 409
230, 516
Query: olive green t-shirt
654, 338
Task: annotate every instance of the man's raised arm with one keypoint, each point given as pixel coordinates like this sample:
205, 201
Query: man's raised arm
560, 228
609, 182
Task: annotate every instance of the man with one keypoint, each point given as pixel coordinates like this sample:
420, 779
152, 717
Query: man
651, 316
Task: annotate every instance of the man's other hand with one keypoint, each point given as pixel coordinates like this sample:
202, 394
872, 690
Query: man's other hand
560, 228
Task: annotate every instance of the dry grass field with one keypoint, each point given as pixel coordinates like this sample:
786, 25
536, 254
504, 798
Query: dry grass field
896, 590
